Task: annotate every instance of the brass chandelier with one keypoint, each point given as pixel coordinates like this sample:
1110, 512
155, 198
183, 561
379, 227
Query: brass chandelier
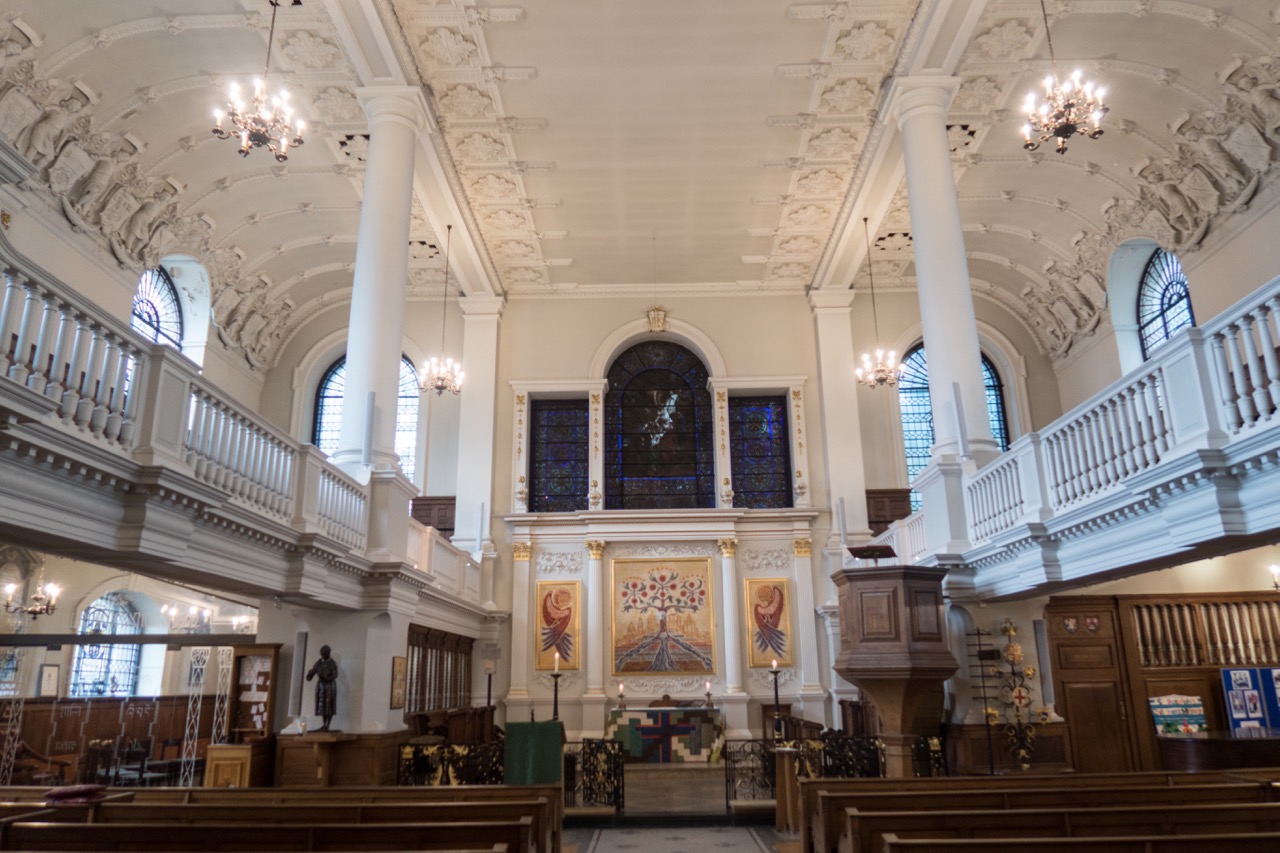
886, 368
43, 601
1070, 107
443, 374
261, 125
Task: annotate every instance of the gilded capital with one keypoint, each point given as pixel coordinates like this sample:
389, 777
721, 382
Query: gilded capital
802, 547
728, 547
521, 551
595, 548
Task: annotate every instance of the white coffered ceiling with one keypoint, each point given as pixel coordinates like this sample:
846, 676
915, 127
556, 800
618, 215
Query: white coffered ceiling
598, 147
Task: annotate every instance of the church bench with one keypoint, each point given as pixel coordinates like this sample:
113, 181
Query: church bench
828, 823
253, 814
516, 835
1263, 842
553, 794
865, 830
810, 788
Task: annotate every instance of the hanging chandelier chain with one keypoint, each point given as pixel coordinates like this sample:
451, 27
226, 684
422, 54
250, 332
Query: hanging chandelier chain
440, 373
885, 368
271, 37
444, 304
871, 274
1048, 37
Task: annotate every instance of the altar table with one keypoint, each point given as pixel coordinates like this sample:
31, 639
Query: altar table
665, 735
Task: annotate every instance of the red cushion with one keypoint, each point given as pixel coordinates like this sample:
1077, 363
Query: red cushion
74, 794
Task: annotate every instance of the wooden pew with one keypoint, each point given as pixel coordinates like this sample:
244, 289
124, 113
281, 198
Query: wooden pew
809, 788
516, 835
252, 814
866, 830
553, 794
1265, 842
830, 823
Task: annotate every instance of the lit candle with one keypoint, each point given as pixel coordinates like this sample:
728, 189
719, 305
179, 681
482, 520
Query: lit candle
708, 686
557, 661
619, 688
10, 589
775, 663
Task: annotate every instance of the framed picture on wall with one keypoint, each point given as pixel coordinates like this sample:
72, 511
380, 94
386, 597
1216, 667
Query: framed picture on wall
399, 675
50, 675
559, 605
663, 617
768, 623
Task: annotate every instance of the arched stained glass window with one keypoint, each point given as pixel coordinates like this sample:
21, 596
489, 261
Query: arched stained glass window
658, 419
110, 669
1164, 304
157, 313
326, 428
916, 411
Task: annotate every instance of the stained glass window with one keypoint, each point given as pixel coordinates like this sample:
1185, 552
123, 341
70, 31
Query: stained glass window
1164, 305
157, 314
558, 448
110, 669
916, 411
326, 428
760, 452
658, 423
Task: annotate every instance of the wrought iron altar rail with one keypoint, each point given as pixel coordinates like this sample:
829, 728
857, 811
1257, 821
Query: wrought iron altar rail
750, 766
593, 774
443, 764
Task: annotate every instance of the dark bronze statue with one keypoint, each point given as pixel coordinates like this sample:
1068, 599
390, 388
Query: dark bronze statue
326, 688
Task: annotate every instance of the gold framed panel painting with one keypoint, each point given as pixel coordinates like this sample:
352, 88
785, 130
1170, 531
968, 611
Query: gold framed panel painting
768, 623
663, 621
559, 606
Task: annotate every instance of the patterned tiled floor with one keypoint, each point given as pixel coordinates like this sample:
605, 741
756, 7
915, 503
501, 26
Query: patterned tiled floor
677, 840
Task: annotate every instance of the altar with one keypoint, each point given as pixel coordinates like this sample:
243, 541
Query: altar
666, 735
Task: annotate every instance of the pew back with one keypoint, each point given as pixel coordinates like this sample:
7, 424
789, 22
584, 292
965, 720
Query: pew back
1267, 842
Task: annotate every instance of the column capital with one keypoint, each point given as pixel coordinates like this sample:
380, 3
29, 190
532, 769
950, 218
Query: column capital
802, 547
831, 300
911, 95
728, 547
521, 551
595, 548
479, 307
404, 104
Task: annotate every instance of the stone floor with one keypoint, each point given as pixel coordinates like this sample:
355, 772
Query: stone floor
680, 839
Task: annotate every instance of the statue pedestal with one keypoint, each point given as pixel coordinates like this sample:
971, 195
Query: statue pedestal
893, 646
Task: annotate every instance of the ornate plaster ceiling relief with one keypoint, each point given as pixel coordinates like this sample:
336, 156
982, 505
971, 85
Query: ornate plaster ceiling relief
1007, 40
847, 96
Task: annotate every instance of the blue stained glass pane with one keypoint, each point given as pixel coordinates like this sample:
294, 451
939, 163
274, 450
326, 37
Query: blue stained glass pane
917, 412
326, 429
558, 462
107, 669
658, 418
1164, 304
760, 452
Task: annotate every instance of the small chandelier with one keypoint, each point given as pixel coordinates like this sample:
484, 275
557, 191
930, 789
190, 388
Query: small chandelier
443, 374
1069, 107
262, 124
885, 369
194, 621
44, 600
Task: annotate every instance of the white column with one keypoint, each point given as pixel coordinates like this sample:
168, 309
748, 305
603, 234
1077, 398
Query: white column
806, 629
521, 659
475, 425
942, 269
595, 637
375, 330
733, 616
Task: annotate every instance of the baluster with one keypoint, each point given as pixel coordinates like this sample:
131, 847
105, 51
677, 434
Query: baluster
197, 429
115, 402
279, 488
1267, 340
1079, 462
235, 453
1115, 426
89, 376
1179, 638
1210, 634
1159, 421
1089, 454
1252, 360
1143, 619
221, 449
101, 399
134, 390
1230, 411
213, 441
1131, 424
21, 367
1106, 464
10, 301
66, 332
1142, 427
1239, 383
75, 368
45, 336
1053, 470
1188, 624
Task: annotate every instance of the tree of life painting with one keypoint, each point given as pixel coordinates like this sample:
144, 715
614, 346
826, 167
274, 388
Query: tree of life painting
662, 617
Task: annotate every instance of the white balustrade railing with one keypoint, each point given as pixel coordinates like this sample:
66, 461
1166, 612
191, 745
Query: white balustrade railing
343, 508
905, 536
1245, 362
61, 348
232, 450
450, 568
994, 498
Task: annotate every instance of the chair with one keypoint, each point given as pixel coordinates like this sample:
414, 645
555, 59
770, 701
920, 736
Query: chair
131, 766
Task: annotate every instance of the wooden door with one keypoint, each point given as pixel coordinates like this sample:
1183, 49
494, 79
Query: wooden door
1088, 676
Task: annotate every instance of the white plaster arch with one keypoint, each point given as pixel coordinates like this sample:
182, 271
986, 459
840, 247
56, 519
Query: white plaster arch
1008, 361
306, 380
151, 658
191, 282
1124, 275
678, 331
